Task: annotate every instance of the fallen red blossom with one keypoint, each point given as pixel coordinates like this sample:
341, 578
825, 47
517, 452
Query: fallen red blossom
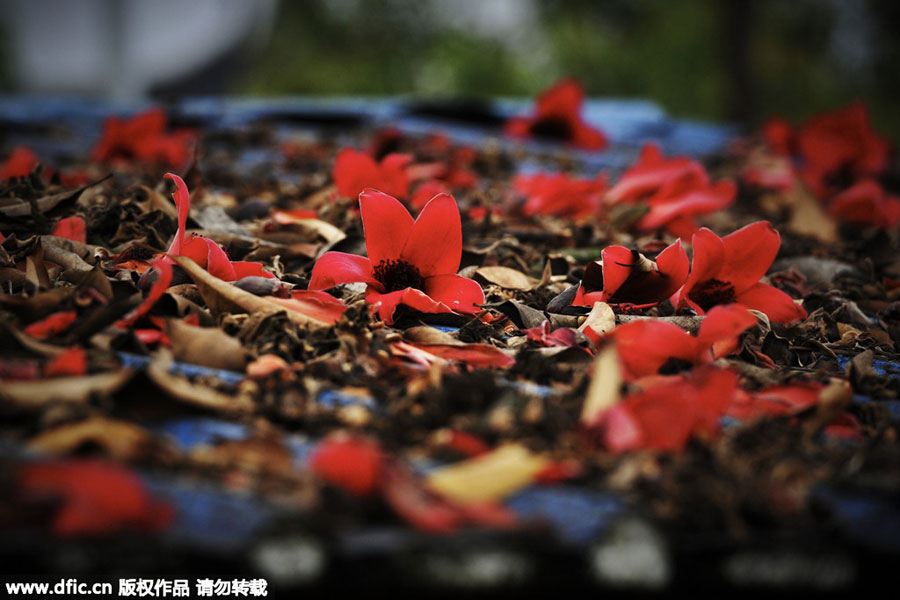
557, 116
71, 228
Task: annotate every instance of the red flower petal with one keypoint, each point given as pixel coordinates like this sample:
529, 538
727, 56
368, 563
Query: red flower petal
696, 201
645, 346
411, 297
651, 172
353, 172
183, 202
392, 174
674, 264
721, 327
616, 268
425, 192
52, 325
563, 100
387, 225
749, 252
244, 268
459, 293
159, 288
777, 305
434, 245
709, 255
335, 268
866, 203
207, 253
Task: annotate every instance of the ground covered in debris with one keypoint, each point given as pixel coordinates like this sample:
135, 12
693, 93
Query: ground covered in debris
307, 347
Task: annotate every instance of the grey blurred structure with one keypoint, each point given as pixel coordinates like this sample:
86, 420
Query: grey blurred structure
124, 49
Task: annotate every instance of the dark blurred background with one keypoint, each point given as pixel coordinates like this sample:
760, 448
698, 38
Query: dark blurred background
719, 60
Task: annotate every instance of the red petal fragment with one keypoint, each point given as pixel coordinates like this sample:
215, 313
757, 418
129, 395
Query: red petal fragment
156, 291
335, 268
697, 201
72, 228
645, 346
416, 299
416, 504
434, 245
244, 268
53, 325
674, 264
749, 252
71, 362
20, 163
393, 175
562, 100
387, 225
617, 267
316, 304
722, 326
425, 192
777, 305
183, 203
477, 355
776, 400
350, 463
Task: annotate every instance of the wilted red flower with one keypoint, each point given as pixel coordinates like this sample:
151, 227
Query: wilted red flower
202, 250
409, 262
674, 189
355, 171
831, 144
144, 138
96, 498
558, 116
628, 277
20, 163
866, 203
560, 195
727, 270
665, 415
646, 345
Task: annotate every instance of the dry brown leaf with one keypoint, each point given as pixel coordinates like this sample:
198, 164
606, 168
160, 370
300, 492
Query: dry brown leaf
223, 297
118, 439
207, 346
506, 277
197, 395
35, 395
808, 217
491, 476
601, 319
605, 388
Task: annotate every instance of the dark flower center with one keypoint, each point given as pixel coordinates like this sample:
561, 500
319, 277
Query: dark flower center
713, 292
554, 128
397, 275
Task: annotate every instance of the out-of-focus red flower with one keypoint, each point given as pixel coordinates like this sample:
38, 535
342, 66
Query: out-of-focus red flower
202, 250
645, 346
627, 277
72, 228
164, 268
71, 362
831, 145
665, 415
651, 172
542, 334
557, 116
144, 138
409, 262
425, 192
20, 163
727, 270
52, 325
866, 203
96, 498
355, 171
351, 463
674, 189
560, 195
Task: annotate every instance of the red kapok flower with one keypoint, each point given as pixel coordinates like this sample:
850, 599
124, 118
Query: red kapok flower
558, 116
204, 251
675, 190
144, 138
410, 262
667, 414
627, 277
727, 270
355, 171
866, 203
645, 346
560, 195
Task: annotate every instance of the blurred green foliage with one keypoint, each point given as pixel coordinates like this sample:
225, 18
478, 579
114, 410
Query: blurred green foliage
796, 58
